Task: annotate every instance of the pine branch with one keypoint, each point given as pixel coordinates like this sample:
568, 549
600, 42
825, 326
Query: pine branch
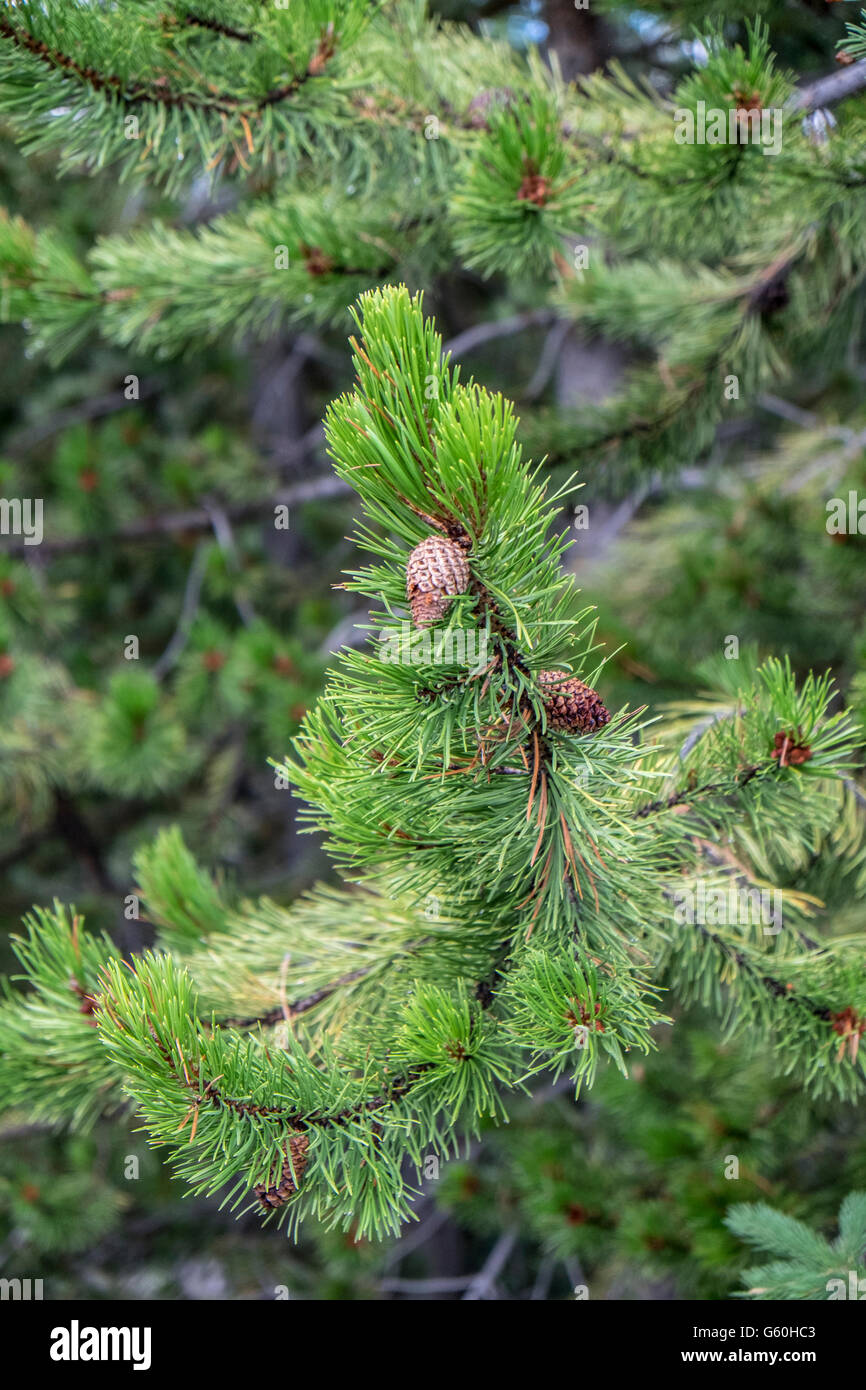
158, 93
499, 925
686, 795
807, 1266
216, 27
195, 519
827, 91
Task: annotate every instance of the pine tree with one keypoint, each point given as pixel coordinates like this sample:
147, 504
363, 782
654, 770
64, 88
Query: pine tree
515, 890
377, 158
530, 885
347, 146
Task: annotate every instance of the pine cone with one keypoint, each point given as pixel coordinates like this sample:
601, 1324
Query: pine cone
437, 570
278, 1196
571, 706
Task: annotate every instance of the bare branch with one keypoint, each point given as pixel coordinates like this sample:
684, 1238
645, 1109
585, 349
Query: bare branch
826, 91
481, 333
200, 519
189, 608
482, 1283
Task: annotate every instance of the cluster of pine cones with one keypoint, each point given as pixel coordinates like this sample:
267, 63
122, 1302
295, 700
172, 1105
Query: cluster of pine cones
436, 571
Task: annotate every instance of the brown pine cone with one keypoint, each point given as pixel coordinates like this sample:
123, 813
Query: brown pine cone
278, 1196
437, 569
571, 705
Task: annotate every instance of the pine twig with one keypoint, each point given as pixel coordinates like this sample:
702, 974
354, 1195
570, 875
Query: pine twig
189, 608
483, 1282
198, 519
826, 91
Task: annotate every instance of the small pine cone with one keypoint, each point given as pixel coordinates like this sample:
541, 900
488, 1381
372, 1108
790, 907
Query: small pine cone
270, 1197
437, 570
571, 706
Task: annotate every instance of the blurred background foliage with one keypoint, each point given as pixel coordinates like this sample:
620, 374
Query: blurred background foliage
167, 473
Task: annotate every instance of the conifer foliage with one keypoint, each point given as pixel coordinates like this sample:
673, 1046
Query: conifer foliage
367, 154
513, 885
807, 1266
535, 883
